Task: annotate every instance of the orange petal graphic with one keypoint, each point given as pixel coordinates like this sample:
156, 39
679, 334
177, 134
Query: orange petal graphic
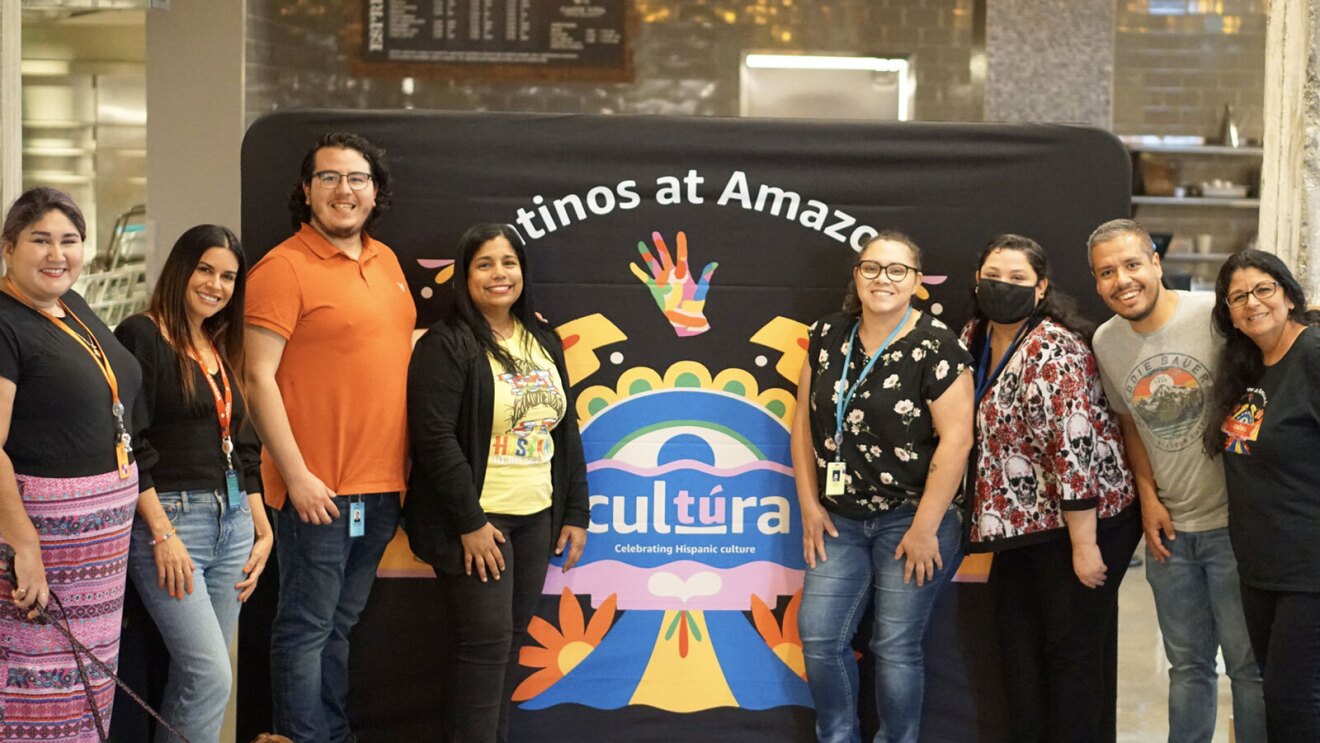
571, 624
536, 683
791, 633
765, 622
545, 633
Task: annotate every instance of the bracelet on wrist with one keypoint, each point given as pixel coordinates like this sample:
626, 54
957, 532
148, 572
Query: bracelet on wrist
163, 537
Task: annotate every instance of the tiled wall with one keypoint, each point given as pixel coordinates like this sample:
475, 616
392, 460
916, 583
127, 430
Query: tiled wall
686, 55
1178, 62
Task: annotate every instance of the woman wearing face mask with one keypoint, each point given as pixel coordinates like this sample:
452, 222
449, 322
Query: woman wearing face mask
880, 440
1052, 498
1268, 426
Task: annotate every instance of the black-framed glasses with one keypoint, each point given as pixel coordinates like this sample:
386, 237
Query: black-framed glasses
1264, 290
330, 179
894, 271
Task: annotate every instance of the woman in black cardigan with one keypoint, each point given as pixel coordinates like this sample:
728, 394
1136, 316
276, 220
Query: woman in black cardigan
498, 479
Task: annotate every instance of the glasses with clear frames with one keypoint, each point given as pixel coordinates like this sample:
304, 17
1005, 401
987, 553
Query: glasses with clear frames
330, 179
1261, 291
894, 271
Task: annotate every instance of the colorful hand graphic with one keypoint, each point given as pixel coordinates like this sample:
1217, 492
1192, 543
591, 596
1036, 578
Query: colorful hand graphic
676, 293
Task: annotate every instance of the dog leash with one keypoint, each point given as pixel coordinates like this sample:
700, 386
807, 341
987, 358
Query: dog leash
78, 650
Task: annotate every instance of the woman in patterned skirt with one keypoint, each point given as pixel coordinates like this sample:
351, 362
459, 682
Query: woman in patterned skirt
68, 484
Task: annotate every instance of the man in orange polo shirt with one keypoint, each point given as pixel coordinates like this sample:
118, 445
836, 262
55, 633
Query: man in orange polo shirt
330, 323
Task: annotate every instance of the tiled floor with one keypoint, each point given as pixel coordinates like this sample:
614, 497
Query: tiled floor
1143, 673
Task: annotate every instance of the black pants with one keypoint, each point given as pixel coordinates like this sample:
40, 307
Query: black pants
488, 621
1058, 639
1285, 635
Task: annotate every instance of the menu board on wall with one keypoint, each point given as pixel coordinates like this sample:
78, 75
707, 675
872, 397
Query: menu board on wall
544, 35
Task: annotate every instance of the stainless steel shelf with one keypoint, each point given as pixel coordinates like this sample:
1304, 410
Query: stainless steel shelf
1196, 201
1198, 149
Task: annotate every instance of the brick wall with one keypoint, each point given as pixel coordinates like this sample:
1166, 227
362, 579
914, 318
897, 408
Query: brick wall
687, 54
1174, 71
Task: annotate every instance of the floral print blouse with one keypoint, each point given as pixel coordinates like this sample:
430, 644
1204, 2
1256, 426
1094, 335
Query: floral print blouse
1046, 442
888, 436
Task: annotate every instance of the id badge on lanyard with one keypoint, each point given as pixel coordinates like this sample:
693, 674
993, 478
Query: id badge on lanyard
357, 519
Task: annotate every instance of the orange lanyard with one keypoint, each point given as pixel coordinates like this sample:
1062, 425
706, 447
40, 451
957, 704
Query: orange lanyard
224, 401
93, 348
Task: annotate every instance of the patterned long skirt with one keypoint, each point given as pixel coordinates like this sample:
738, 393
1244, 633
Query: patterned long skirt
84, 525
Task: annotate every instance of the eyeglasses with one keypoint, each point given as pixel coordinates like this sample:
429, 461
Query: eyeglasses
330, 179
1262, 291
894, 271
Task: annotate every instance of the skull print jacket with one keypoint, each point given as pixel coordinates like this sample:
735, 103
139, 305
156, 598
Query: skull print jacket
1046, 442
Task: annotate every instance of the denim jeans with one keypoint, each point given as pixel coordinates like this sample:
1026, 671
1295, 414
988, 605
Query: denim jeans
198, 628
1199, 605
861, 567
325, 578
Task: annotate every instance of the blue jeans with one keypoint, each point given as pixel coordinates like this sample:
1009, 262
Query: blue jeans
198, 628
1199, 605
834, 597
325, 578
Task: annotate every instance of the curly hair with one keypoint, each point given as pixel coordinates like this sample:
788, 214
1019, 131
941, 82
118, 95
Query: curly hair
1240, 361
851, 304
301, 211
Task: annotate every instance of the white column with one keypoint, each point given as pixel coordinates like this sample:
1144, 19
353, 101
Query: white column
11, 103
1290, 173
195, 125
195, 119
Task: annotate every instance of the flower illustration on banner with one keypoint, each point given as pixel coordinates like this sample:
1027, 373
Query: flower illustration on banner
785, 642
564, 648
679, 296
446, 272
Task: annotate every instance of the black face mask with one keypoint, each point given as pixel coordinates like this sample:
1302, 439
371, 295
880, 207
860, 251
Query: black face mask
1003, 302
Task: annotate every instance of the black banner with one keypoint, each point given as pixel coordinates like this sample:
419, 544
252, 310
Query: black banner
682, 259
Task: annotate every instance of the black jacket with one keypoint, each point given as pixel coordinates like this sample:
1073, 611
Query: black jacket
451, 400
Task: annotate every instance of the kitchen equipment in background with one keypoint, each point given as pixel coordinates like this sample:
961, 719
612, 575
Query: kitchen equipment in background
1228, 129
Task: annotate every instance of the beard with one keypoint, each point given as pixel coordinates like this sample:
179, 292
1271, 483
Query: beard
337, 233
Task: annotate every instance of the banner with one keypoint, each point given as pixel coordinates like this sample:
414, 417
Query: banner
681, 260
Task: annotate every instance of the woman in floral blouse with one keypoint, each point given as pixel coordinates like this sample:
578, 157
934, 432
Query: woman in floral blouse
880, 440
1053, 498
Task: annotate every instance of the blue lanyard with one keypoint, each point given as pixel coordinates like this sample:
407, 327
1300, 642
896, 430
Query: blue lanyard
846, 399
984, 380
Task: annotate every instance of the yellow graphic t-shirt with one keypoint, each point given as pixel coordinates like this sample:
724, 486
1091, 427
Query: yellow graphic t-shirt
528, 405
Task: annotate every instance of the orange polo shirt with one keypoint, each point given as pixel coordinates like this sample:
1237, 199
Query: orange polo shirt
348, 326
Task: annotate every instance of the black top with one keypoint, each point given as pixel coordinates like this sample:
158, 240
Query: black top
451, 396
1273, 473
61, 424
888, 436
186, 433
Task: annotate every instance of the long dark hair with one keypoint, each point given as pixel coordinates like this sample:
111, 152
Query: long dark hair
1240, 362
169, 304
1056, 305
851, 304
463, 312
301, 211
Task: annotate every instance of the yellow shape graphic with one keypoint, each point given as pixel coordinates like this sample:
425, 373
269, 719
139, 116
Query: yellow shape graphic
690, 375
789, 338
581, 339
677, 681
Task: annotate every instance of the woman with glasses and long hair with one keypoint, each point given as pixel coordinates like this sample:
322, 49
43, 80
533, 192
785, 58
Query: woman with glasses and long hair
69, 396
1053, 498
498, 480
202, 537
1268, 427
880, 440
